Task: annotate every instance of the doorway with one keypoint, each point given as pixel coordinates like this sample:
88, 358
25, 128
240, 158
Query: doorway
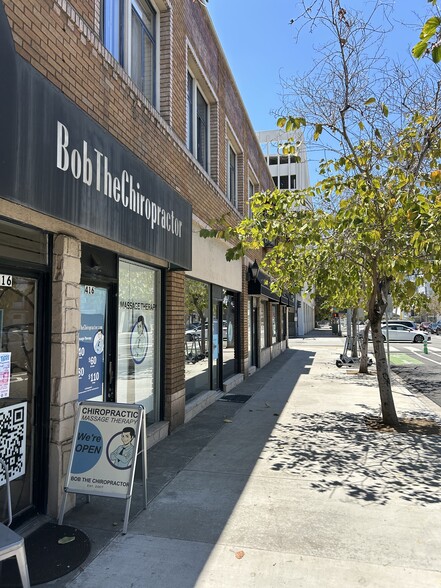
96, 353
23, 394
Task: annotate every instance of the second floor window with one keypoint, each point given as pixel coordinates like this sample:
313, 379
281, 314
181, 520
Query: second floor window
232, 176
251, 192
197, 122
129, 33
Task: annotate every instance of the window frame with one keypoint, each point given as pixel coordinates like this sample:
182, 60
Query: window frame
232, 184
194, 92
117, 38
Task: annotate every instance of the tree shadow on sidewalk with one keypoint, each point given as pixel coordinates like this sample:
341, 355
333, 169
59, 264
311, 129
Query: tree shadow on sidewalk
337, 452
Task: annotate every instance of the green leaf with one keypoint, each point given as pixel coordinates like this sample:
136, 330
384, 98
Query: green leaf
436, 54
281, 122
370, 101
318, 131
419, 49
384, 109
361, 125
430, 27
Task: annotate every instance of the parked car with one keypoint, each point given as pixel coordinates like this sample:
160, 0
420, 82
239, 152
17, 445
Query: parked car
435, 328
403, 333
424, 326
406, 323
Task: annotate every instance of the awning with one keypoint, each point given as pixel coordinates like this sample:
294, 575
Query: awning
258, 287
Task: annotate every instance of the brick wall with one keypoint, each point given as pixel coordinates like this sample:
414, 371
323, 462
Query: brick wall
61, 40
174, 368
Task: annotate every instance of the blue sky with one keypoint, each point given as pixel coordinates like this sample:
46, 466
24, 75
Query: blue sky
260, 47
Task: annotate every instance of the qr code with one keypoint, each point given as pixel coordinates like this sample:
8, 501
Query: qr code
13, 440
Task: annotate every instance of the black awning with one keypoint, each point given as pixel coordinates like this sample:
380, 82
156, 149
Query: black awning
258, 287
284, 299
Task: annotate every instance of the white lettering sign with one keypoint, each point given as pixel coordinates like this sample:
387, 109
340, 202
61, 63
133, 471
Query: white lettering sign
93, 169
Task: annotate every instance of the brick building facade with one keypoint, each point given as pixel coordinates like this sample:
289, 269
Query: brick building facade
122, 135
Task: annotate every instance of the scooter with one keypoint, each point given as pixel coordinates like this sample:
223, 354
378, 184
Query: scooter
345, 359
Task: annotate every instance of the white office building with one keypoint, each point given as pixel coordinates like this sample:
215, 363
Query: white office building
288, 174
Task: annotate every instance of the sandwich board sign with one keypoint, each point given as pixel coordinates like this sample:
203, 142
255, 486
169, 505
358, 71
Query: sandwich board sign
105, 448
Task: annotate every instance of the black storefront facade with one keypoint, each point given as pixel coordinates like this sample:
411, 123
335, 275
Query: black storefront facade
267, 319
88, 234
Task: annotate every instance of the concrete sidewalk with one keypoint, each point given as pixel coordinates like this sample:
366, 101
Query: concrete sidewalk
291, 488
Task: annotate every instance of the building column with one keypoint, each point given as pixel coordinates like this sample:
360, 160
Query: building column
64, 363
174, 365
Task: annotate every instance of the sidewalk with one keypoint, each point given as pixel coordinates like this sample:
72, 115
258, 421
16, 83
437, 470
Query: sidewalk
291, 488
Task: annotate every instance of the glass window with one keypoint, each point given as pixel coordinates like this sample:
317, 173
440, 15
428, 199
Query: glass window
133, 36
251, 191
274, 323
18, 303
283, 185
229, 320
202, 130
292, 182
143, 47
263, 324
273, 160
92, 343
112, 27
275, 180
138, 337
284, 322
190, 117
283, 159
232, 176
197, 122
197, 338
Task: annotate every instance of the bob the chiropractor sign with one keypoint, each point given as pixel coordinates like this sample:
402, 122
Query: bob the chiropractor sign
104, 450
59, 161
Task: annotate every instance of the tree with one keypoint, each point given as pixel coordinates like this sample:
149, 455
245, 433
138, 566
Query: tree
196, 301
430, 37
372, 221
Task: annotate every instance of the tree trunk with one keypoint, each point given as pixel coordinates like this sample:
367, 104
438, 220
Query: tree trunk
354, 333
364, 360
377, 307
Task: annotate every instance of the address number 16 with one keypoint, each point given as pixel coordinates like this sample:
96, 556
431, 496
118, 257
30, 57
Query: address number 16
5, 280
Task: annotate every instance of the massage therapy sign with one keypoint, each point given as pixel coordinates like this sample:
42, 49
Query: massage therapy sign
104, 450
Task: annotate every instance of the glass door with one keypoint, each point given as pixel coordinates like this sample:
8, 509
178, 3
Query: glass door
138, 342
18, 431
95, 366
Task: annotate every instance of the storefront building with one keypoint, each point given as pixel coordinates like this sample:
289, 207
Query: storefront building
108, 170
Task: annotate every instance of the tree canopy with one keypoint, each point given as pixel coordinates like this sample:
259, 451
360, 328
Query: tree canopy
371, 225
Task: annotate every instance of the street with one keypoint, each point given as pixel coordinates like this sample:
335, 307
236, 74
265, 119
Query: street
419, 370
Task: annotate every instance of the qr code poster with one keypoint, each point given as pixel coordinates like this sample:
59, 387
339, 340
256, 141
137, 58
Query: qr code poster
13, 440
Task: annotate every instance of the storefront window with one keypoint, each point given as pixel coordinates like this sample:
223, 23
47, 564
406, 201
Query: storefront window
263, 324
92, 343
138, 337
197, 338
18, 304
229, 321
274, 324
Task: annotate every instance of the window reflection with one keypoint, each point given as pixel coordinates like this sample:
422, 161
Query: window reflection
197, 303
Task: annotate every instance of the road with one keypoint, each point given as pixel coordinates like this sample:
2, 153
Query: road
417, 369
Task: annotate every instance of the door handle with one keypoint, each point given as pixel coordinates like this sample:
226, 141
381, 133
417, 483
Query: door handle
110, 372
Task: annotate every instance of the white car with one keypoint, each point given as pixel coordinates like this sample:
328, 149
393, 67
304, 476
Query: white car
403, 333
